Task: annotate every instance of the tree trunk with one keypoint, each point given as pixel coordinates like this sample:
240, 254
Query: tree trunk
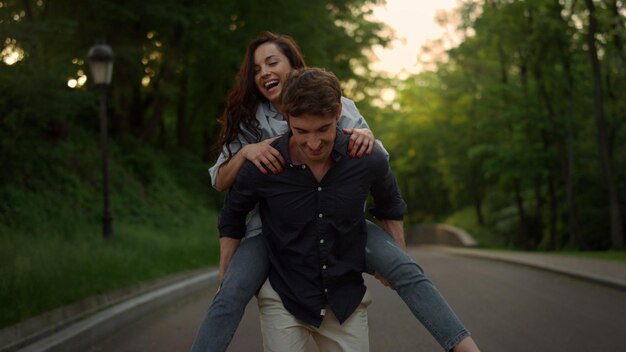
521, 214
618, 26
479, 211
182, 123
538, 225
135, 111
573, 224
553, 203
166, 75
617, 234
552, 138
157, 117
28, 11
572, 238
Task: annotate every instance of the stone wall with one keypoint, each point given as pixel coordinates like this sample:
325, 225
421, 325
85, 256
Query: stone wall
439, 234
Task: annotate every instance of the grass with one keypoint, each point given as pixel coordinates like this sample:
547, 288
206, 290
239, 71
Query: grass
51, 248
619, 256
39, 274
466, 219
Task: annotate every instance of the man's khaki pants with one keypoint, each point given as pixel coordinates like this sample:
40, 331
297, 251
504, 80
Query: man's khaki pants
282, 332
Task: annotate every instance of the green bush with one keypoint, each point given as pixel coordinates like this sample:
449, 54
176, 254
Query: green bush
51, 247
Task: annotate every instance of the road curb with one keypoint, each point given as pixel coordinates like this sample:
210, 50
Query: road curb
89, 330
608, 281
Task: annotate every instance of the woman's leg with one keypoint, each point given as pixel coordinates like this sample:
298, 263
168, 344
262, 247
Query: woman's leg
416, 290
246, 273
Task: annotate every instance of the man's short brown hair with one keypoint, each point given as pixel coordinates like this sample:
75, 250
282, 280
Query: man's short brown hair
311, 91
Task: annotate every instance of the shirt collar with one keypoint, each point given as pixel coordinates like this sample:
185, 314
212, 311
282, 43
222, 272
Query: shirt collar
271, 111
340, 148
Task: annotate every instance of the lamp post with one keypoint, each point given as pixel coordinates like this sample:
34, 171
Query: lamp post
100, 58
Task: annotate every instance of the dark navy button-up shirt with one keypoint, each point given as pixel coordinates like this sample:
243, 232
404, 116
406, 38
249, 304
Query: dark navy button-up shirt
315, 231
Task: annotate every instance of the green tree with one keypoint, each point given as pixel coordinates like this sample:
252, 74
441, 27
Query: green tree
508, 114
617, 228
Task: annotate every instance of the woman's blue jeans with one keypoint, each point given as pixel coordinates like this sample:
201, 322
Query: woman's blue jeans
249, 267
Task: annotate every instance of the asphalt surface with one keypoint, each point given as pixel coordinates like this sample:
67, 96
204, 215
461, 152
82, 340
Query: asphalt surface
507, 307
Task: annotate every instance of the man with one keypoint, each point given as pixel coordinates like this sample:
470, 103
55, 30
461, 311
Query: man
314, 223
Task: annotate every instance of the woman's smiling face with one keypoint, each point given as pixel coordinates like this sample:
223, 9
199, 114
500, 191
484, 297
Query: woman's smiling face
271, 69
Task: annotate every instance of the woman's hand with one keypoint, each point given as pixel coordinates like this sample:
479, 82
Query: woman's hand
264, 156
361, 141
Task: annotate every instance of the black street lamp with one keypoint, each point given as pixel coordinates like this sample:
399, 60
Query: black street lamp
100, 58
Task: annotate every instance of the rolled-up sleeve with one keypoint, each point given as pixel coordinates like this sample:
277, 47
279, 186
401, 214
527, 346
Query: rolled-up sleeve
388, 202
240, 200
221, 159
244, 138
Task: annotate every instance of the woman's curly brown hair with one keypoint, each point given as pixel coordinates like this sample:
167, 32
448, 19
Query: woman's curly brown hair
244, 98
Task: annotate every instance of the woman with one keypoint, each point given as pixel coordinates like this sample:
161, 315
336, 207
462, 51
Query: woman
251, 122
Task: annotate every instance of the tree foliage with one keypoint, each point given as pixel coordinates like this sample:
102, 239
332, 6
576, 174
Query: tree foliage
175, 60
523, 120
511, 123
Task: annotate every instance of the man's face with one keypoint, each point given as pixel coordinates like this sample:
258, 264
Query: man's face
314, 136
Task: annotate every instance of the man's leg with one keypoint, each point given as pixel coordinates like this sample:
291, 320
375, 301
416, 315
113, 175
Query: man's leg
416, 290
246, 273
352, 335
282, 332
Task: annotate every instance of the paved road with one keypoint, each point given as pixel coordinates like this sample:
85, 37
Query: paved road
507, 307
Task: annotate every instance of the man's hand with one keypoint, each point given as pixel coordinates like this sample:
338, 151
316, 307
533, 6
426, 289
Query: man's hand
383, 280
395, 228
228, 246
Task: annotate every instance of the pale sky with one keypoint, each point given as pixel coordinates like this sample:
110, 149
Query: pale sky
414, 23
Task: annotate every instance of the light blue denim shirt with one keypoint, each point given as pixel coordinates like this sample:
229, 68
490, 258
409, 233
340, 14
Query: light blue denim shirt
271, 124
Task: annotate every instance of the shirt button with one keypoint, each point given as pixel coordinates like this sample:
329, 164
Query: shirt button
322, 241
324, 267
320, 215
319, 188
325, 290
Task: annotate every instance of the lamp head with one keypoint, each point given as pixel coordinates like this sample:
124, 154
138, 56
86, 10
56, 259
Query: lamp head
100, 58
